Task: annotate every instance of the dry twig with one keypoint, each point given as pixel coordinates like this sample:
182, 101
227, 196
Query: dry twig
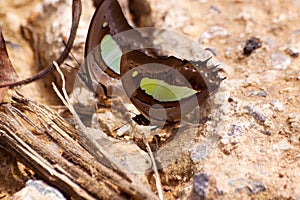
76, 12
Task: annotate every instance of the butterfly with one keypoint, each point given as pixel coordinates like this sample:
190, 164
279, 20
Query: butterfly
162, 88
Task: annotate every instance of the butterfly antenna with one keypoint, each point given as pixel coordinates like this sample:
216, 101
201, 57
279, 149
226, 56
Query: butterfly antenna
68, 65
72, 55
116, 129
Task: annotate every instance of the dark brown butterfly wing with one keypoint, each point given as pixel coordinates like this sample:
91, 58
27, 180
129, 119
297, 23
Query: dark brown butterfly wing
108, 19
172, 71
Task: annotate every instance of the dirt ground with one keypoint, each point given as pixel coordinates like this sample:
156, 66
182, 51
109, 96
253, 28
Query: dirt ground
257, 153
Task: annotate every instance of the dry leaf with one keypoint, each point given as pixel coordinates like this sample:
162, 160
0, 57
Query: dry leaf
7, 72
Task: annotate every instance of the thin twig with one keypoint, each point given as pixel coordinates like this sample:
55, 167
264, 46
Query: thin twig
76, 12
65, 99
156, 173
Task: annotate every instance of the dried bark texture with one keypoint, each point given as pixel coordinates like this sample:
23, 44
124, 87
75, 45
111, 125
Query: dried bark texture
46, 143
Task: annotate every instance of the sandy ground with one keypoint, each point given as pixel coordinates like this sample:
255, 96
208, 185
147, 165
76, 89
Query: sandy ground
257, 155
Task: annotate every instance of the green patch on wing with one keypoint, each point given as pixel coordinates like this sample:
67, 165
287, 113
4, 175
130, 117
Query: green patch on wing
111, 53
163, 91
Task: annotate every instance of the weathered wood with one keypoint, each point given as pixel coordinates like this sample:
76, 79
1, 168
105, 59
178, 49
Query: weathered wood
47, 144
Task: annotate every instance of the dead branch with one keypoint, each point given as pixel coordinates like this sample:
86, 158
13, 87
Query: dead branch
47, 144
76, 12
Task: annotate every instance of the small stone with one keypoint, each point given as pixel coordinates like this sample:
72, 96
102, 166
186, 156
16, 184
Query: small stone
35, 190
278, 106
213, 32
280, 175
235, 131
227, 145
199, 152
256, 114
280, 61
201, 184
214, 9
258, 93
292, 52
294, 139
251, 44
225, 140
123, 130
293, 48
205, 187
228, 52
294, 122
266, 132
283, 145
256, 187
270, 43
251, 187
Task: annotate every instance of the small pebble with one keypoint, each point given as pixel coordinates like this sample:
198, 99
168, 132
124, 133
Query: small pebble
199, 152
201, 184
251, 44
235, 131
283, 145
280, 61
278, 106
258, 93
213, 32
292, 52
256, 187
123, 130
215, 9
294, 121
256, 114
252, 187
35, 190
228, 52
293, 48
266, 132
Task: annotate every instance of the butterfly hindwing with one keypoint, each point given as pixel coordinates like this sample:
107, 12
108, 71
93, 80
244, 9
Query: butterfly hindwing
166, 82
